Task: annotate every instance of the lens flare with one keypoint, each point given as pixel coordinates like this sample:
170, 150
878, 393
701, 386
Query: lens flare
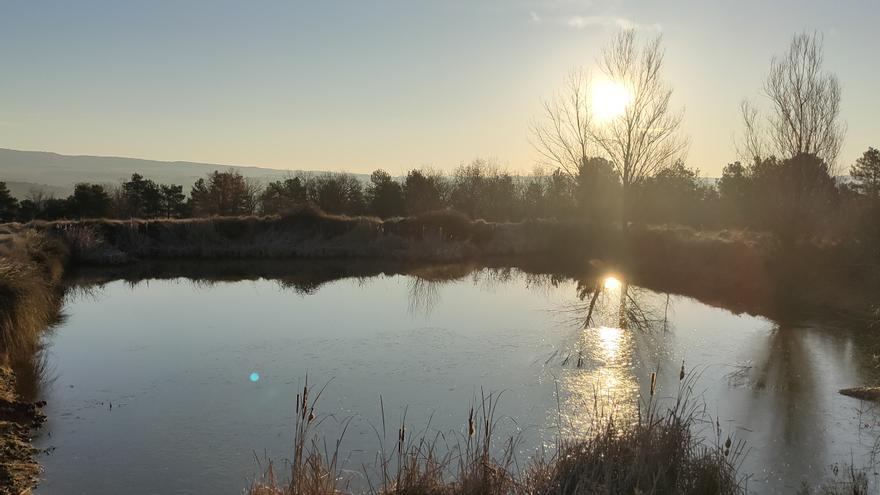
255, 377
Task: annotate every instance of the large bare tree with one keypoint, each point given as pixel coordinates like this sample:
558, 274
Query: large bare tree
645, 138
803, 117
639, 142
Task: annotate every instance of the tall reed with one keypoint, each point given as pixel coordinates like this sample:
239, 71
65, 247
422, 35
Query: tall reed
661, 452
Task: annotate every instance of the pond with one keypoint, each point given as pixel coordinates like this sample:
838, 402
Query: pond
178, 385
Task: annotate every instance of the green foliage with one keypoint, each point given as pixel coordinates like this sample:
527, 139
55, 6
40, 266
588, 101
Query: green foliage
142, 198
675, 195
223, 194
8, 204
423, 191
479, 190
336, 193
549, 196
598, 191
283, 196
89, 201
384, 195
792, 197
866, 173
173, 201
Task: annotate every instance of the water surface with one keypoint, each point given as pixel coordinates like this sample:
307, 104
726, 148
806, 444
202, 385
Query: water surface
174, 386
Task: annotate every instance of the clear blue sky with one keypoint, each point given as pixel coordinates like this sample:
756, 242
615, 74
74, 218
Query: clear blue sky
356, 85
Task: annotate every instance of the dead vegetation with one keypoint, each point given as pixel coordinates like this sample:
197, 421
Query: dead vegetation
31, 266
661, 452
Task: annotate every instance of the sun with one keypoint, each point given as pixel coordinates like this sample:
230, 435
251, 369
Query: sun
610, 100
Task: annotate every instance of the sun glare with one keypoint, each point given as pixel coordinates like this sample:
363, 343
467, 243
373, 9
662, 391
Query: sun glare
612, 283
609, 338
610, 100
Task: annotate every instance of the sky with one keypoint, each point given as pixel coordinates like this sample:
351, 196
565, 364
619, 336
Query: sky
359, 85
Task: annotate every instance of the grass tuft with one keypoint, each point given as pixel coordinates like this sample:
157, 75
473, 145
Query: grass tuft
660, 453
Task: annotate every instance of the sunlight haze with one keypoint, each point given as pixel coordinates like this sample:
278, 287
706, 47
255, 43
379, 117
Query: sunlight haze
356, 86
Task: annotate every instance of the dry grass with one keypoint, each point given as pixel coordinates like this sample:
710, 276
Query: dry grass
31, 266
738, 270
662, 452
309, 233
849, 482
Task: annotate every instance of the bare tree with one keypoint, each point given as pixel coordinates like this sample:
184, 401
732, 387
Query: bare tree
804, 107
639, 142
563, 136
644, 139
751, 146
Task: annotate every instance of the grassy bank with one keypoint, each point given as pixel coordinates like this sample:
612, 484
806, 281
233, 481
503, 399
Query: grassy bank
31, 267
742, 271
308, 233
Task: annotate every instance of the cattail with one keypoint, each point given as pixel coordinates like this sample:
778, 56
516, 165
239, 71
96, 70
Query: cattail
401, 437
681, 373
312, 415
471, 429
653, 383
305, 401
580, 359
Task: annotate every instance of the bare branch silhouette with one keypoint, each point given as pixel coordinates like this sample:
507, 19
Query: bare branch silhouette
804, 107
563, 137
645, 138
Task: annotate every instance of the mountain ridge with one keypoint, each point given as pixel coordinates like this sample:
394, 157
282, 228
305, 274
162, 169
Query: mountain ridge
61, 172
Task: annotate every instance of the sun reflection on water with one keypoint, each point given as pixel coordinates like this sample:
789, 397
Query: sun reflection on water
609, 339
612, 283
604, 385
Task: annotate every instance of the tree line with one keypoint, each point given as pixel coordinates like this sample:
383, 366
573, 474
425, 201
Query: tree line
626, 168
791, 197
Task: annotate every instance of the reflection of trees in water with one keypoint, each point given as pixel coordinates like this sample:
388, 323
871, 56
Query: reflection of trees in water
544, 282
424, 286
787, 400
423, 296
617, 323
626, 307
791, 395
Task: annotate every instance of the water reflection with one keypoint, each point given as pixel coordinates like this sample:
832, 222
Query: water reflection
468, 326
424, 295
601, 384
609, 338
611, 283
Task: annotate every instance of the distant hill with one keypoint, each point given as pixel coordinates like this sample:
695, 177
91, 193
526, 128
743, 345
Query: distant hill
22, 190
59, 173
